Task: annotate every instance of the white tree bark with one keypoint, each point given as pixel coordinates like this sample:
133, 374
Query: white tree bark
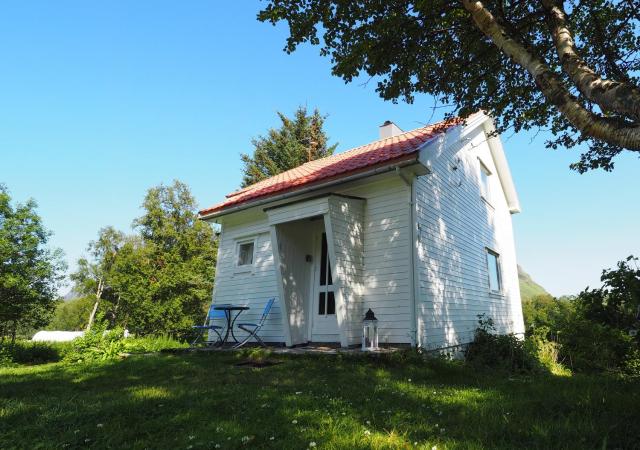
609, 130
619, 97
94, 310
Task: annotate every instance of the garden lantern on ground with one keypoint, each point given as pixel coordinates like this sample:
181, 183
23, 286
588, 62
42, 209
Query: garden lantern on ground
369, 332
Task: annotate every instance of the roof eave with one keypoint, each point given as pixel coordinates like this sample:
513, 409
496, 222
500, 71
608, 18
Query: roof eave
323, 184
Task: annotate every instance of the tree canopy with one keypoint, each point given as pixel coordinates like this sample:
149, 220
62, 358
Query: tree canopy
158, 279
93, 275
299, 140
30, 272
567, 66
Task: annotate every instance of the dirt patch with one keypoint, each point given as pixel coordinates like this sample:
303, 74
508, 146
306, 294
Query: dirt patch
257, 364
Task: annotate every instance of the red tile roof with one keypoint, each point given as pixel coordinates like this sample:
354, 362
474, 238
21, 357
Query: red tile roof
384, 151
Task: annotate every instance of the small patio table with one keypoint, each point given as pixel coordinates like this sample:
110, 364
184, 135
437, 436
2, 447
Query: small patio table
229, 310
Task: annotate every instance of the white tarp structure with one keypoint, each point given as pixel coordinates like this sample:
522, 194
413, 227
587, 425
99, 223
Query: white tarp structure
56, 336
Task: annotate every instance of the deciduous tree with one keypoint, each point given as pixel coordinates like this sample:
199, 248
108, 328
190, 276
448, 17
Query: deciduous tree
569, 66
164, 275
30, 272
93, 275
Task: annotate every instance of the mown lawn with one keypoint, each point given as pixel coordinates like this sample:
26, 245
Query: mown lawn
204, 401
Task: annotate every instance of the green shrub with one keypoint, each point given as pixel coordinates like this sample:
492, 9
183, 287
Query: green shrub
98, 344
587, 346
499, 351
631, 366
151, 344
545, 311
6, 360
545, 351
27, 352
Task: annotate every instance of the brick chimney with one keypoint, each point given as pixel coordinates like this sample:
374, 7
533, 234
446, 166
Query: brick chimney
389, 129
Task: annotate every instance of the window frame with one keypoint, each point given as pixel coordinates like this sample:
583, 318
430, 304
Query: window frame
245, 267
489, 251
484, 175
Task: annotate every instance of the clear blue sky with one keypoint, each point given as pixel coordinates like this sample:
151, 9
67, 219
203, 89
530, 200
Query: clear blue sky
101, 100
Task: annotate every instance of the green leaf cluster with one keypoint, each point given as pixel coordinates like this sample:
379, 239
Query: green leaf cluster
158, 279
436, 47
597, 330
30, 272
71, 315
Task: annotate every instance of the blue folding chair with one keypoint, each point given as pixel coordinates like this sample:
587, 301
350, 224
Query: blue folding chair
209, 325
253, 328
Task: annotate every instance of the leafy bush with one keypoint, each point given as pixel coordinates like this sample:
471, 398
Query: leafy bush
593, 331
27, 352
617, 302
499, 351
98, 344
596, 336
151, 344
588, 346
631, 366
545, 351
545, 311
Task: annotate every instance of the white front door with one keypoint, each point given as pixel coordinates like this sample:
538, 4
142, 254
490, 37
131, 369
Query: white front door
324, 323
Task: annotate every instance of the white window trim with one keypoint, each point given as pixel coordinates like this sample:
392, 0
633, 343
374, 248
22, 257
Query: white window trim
500, 291
236, 254
485, 191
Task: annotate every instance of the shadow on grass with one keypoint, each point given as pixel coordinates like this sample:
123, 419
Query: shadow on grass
204, 401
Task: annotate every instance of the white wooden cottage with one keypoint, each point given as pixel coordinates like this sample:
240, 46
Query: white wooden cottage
416, 226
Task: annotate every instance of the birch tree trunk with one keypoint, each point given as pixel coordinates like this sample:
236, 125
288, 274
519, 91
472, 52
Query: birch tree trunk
611, 95
94, 310
612, 130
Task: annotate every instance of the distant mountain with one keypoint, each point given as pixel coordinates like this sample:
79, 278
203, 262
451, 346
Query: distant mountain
71, 295
528, 287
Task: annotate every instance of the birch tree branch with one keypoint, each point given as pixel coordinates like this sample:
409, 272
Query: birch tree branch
611, 130
620, 97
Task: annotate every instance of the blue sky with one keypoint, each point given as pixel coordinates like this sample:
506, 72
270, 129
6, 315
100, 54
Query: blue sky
102, 100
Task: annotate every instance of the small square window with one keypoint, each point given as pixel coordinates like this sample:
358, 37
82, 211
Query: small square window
485, 186
245, 253
493, 266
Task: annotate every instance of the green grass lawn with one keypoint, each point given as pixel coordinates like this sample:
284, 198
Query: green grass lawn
204, 401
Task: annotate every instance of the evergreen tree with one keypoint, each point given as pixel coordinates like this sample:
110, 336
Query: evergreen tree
30, 272
299, 140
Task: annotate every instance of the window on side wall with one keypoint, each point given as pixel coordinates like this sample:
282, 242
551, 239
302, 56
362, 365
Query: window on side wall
493, 267
245, 253
485, 185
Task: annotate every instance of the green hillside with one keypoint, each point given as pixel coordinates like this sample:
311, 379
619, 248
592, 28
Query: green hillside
528, 287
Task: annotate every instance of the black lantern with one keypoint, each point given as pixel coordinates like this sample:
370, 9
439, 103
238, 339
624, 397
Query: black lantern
369, 332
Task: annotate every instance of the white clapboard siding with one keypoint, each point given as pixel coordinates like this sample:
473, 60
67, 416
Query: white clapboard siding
455, 226
254, 287
346, 217
298, 210
387, 254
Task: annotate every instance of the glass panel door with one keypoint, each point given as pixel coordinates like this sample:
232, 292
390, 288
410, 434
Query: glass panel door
326, 296
325, 324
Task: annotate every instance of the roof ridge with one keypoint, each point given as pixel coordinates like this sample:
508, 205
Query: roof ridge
335, 155
340, 164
